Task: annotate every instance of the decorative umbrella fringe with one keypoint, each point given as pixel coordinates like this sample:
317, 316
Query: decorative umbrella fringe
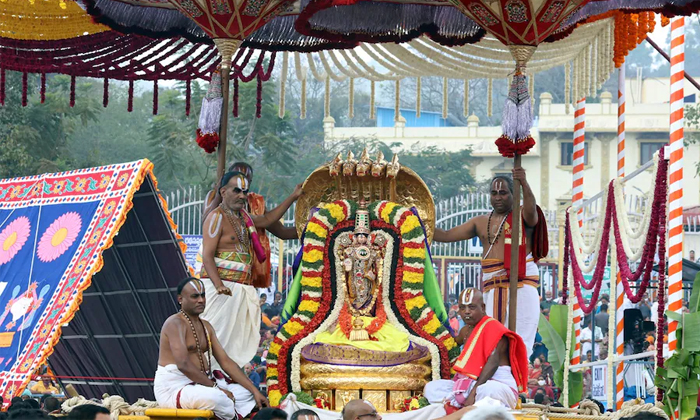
377, 22
157, 22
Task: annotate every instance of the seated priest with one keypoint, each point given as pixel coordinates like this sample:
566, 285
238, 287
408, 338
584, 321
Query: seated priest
493, 363
184, 378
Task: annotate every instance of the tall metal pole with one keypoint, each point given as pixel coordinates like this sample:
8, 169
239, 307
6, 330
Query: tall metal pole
514, 248
227, 47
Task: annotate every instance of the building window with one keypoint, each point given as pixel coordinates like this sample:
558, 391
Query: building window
567, 153
647, 150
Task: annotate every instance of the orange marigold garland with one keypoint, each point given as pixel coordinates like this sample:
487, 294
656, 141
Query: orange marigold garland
345, 319
630, 30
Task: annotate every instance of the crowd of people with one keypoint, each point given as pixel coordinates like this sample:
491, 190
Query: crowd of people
49, 407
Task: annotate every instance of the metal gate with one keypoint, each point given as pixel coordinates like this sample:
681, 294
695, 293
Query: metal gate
457, 265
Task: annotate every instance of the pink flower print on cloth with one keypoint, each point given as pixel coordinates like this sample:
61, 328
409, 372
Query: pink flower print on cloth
13, 238
59, 236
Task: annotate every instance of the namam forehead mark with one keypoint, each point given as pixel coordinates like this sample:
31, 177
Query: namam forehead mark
197, 285
470, 296
241, 182
498, 185
467, 296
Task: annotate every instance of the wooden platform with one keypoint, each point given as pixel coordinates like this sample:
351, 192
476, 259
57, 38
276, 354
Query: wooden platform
171, 414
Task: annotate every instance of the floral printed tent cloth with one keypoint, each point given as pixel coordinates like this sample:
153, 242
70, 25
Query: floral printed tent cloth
55, 233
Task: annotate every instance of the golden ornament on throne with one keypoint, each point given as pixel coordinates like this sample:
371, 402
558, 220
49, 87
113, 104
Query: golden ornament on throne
367, 345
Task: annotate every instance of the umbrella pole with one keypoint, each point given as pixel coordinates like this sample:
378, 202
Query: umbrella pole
514, 254
227, 47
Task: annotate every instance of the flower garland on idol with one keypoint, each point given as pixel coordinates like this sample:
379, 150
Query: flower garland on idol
408, 285
655, 234
315, 282
314, 310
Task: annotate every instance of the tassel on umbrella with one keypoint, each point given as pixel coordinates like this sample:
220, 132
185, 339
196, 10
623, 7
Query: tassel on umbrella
517, 112
210, 116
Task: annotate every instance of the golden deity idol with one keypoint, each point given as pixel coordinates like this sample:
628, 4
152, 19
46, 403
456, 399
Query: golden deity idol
362, 257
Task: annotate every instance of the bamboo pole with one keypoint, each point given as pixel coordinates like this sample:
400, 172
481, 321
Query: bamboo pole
514, 248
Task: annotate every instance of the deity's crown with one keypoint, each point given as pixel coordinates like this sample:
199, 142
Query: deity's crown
362, 219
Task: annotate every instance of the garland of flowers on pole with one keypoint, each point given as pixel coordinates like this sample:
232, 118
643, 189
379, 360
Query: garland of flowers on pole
577, 238
656, 231
655, 234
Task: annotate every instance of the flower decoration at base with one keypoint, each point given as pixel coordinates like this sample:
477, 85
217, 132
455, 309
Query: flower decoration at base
59, 236
13, 238
414, 403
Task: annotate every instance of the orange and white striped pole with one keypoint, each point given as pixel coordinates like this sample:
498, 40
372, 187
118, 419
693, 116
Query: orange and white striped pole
577, 200
675, 199
620, 293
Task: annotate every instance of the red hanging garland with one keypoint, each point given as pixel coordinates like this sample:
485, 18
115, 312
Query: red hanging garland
105, 92
658, 219
258, 102
597, 280
655, 234
130, 101
155, 97
24, 89
72, 91
42, 89
235, 97
188, 96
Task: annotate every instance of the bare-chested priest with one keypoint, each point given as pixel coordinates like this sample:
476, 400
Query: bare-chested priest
495, 230
493, 364
227, 270
184, 378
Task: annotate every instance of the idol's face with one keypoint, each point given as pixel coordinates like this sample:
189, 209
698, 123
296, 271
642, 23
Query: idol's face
501, 197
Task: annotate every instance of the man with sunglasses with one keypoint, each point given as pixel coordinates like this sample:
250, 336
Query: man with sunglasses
256, 207
233, 307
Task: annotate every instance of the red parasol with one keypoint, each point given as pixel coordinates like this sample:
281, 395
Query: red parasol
228, 22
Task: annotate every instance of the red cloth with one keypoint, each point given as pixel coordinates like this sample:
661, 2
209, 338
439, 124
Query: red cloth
481, 344
540, 242
261, 270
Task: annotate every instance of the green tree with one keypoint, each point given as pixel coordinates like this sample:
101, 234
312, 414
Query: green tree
34, 139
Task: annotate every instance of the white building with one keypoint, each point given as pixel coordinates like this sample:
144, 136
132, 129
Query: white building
549, 162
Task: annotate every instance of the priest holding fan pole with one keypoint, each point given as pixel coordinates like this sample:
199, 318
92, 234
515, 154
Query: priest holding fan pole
513, 241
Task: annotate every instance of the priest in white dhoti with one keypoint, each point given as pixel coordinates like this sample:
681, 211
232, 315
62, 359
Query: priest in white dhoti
230, 243
185, 378
493, 364
496, 233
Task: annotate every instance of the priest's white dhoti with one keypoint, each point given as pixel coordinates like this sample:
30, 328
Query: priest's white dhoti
496, 296
501, 387
175, 390
236, 320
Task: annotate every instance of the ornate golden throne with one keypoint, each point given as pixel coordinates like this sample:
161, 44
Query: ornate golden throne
364, 316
